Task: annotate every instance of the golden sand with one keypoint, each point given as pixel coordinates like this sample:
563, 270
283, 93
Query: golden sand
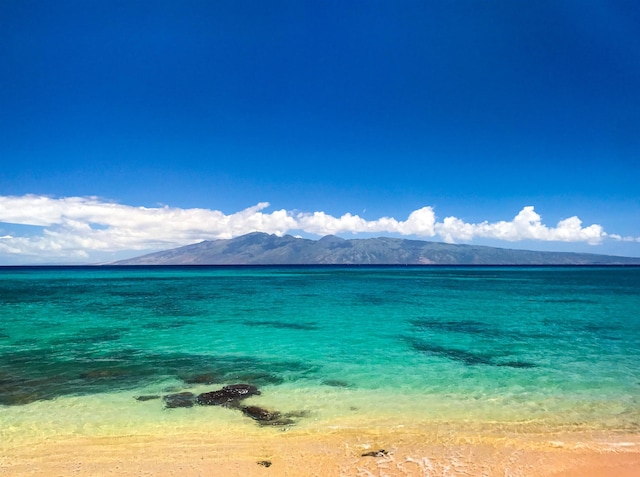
338, 452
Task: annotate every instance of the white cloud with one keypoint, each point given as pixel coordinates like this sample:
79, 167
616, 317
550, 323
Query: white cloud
76, 227
527, 225
623, 239
420, 222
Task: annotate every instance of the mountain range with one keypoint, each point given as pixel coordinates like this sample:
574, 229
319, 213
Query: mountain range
263, 249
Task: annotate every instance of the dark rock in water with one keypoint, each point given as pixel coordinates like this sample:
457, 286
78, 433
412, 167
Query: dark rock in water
265, 417
206, 378
104, 373
260, 414
215, 398
147, 397
518, 364
469, 358
172, 389
336, 383
257, 377
185, 399
264, 463
31, 371
27, 342
166, 326
241, 390
228, 395
298, 414
378, 453
92, 337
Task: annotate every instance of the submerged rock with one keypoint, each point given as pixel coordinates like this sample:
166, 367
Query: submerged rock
207, 378
228, 395
264, 463
257, 377
184, 399
265, 417
517, 364
106, 373
336, 383
241, 390
303, 413
148, 397
216, 398
260, 414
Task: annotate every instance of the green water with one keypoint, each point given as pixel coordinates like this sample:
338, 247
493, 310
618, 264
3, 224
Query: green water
554, 346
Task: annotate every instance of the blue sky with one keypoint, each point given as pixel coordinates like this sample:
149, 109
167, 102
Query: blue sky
184, 116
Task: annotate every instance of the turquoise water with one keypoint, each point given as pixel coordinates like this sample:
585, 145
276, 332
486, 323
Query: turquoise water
553, 347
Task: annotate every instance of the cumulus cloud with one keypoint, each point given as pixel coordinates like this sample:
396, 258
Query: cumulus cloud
527, 225
420, 222
78, 226
75, 225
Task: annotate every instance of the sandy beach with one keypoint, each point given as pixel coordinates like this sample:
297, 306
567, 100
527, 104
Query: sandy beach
339, 452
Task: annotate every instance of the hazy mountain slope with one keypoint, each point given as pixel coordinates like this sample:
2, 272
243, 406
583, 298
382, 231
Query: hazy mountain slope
264, 249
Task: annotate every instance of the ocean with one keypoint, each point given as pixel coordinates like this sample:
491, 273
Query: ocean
104, 351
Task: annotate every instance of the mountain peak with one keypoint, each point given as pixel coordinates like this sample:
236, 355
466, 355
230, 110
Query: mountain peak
259, 248
330, 239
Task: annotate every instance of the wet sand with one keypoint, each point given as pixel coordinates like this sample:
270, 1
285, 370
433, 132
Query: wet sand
338, 452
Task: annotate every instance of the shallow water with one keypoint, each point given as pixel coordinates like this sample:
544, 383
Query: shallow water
552, 348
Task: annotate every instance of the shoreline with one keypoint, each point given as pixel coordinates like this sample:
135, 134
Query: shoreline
452, 373
436, 451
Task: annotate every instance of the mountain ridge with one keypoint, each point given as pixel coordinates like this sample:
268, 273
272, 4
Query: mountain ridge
258, 248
